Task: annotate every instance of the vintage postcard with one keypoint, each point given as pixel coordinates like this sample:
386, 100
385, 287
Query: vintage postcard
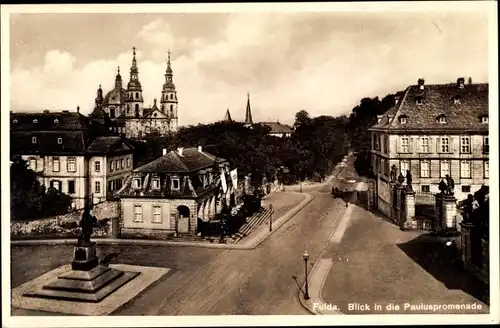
250, 164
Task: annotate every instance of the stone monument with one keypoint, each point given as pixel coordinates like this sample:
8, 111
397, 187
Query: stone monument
87, 281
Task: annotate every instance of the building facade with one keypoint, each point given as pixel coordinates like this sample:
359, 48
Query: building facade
70, 152
170, 194
124, 108
433, 131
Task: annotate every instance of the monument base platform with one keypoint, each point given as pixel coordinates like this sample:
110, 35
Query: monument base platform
84, 286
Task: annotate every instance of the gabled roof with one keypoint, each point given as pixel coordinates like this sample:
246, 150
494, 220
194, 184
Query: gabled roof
109, 144
191, 160
277, 127
422, 107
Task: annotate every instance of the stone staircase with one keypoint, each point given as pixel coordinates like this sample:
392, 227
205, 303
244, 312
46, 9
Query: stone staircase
253, 222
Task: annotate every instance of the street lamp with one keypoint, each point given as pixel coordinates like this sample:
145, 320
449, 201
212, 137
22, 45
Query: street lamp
306, 257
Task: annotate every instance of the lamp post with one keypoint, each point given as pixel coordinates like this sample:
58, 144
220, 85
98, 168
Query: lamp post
271, 217
306, 258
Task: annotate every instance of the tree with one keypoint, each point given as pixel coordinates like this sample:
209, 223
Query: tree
28, 197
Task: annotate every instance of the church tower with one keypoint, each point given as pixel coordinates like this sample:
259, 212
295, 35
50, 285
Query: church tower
248, 116
135, 102
99, 99
168, 103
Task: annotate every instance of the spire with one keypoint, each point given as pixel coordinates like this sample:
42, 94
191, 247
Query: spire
134, 85
99, 98
227, 118
248, 117
169, 67
133, 68
118, 79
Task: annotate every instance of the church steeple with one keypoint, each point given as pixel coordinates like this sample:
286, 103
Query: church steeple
99, 98
118, 80
168, 101
248, 116
134, 91
227, 118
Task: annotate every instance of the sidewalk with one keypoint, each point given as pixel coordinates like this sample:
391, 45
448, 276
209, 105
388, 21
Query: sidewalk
285, 205
377, 263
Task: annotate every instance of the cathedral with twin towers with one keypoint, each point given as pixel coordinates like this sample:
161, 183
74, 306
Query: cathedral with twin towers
123, 109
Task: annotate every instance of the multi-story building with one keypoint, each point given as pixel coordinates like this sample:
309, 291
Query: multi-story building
173, 192
434, 131
125, 111
71, 153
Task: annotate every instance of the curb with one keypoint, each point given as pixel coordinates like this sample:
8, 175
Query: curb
248, 245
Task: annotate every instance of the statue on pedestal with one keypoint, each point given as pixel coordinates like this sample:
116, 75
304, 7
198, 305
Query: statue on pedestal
394, 173
409, 180
450, 184
442, 186
87, 224
401, 178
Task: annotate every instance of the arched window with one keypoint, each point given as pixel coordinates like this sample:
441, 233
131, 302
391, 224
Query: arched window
171, 108
128, 108
137, 95
171, 96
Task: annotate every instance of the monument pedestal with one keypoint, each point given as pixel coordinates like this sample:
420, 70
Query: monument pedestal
86, 282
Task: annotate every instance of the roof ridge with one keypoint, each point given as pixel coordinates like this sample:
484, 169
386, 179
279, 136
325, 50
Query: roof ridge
399, 105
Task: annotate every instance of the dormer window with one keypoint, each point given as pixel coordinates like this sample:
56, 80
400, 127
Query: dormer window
419, 101
484, 119
35, 121
56, 120
175, 185
136, 183
59, 140
33, 140
155, 183
457, 100
15, 121
402, 119
442, 119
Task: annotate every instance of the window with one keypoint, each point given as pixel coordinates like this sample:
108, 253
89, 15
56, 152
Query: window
56, 184
386, 143
424, 169
402, 119
136, 183
425, 188
32, 164
419, 101
59, 140
445, 168
128, 162
157, 214
56, 120
112, 185
117, 165
445, 145
465, 145
55, 164
71, 187
35, 121
171, 96
111, 166
175, 184
486, 145
404, 145
137, 213
121, 164
15, 121
33, 140
465, 169
484, 119
97, 166
465, 188
171, 108
71, 164
487, 169
442, 119
155, 184
376, 142
424, 143
405, 167
97, 187
137, 95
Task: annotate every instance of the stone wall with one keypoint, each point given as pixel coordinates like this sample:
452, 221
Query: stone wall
66, 224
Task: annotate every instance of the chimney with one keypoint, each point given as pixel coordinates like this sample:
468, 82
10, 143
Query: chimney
396, 99
461, 82
78, 109
200, 149
470, 80
46, 111
379, 118
65, 111
179, 150
164, 151
421, 83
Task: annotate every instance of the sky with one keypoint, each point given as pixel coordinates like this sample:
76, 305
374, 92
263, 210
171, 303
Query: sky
321, 62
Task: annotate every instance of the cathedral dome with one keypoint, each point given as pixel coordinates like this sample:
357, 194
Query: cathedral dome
117, 96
